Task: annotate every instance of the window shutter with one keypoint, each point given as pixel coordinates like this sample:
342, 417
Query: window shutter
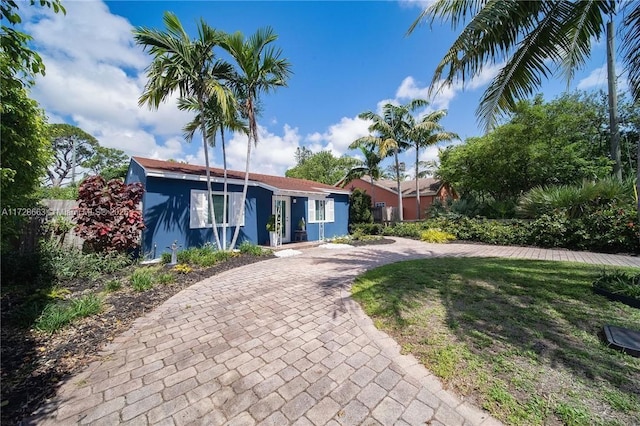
329, 210
312, 210
198, 210
236, 207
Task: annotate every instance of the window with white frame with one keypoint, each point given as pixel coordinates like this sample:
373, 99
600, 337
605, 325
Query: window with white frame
321, 210
200, 217
381, 204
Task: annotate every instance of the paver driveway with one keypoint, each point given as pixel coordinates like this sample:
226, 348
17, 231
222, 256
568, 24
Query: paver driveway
277, 342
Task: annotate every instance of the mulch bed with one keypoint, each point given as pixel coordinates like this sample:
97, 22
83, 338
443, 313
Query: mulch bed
35, 363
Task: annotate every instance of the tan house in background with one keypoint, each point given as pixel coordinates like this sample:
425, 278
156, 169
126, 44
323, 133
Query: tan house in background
384, 194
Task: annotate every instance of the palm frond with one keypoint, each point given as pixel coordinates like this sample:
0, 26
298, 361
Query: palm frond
365, 142
583, 23
523, 72
458, 10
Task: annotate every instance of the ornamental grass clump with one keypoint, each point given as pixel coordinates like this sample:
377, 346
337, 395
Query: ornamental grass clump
251, 249
57, 315
142, 279
620, 283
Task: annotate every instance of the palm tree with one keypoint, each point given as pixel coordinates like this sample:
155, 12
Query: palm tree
426, 168
392, 130
260, 68
370, 166
217, 119
531, 36
423, 133
188, 67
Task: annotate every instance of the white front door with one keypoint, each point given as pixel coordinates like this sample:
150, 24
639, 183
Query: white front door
281, 207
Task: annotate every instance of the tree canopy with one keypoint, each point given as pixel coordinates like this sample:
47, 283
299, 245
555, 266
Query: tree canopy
72, 147
22, 63
558, 142
25, 151
322, 167
25, 154
391, 133
110, 163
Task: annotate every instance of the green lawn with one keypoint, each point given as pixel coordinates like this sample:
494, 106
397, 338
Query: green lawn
517, 337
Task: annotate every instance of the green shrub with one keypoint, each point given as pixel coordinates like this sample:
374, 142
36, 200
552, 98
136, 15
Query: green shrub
57, 315
142, 279
465, 206
70, 263
360, 207
165, 278
187, 255
575, 200
498, 209
406, 230
610, 228
345, 239
619, 282
247, 247
112, 285
165, 257
203, 256
551, 230
434, 235
58, 193
367, 228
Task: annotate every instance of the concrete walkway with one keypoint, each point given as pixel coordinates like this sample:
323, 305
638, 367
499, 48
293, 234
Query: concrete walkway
275, 343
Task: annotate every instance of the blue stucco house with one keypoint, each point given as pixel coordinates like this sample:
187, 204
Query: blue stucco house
174, 206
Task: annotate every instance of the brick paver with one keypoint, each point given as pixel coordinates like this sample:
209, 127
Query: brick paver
276, 342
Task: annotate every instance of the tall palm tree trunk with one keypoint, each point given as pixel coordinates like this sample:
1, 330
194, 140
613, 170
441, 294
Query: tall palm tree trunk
613, 105
244, 193
400, 215
417, 184
252, 135
225, 191
203, 126
373, 192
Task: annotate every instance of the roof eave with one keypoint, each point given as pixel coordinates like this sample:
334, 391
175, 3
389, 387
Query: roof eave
202, 178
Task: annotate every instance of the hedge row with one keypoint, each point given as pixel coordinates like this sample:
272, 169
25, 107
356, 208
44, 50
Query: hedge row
611, 229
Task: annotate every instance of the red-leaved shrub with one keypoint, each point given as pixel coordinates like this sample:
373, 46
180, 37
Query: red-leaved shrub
107, 216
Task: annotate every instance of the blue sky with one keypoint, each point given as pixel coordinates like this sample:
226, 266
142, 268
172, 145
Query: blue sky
347, 58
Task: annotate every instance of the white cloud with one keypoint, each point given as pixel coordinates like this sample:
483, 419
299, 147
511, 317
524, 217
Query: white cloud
87, 32
421, 4
339, 136
597, 79
273, 155
443, 94
489, 71
95, 74
430, 153
409, 89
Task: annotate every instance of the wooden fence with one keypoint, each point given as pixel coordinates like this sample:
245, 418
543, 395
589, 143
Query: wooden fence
65, 209
385, 214
36, 225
